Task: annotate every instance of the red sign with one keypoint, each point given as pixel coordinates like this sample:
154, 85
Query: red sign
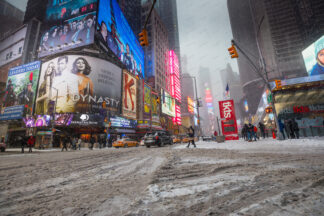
228, 119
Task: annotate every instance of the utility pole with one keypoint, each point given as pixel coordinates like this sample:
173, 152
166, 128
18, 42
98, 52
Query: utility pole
265, 79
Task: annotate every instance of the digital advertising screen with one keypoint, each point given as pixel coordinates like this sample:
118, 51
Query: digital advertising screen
79, 84
191, 105
147, 100
314, 58
119, 37
64, 119
38, 121
168, 104
129, 95
68, 24
122, 122
20, 92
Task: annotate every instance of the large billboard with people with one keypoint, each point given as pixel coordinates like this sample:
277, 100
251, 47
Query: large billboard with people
314, 58
79, 84
20, 91
147, 101
68, 24
168, 104
129, 95
118, 36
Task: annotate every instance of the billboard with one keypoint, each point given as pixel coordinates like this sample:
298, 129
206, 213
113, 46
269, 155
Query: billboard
168, 104
155, 107
175, 76
122, 122
68, 24
64, 119
79, 84
118, 36
129, 95
228, 119
314, 58
38, 121
191, 105
147, 100
20, 91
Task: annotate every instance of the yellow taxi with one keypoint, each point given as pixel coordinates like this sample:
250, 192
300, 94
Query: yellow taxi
125, 143
186, 139
176, 139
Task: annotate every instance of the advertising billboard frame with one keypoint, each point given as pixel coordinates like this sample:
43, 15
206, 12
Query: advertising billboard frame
228, 119
166, 98
130, 113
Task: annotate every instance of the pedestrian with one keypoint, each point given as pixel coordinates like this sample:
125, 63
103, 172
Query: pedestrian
92, 141
281, 128
31, 143
22, 143
295, 128
74, 143
65, 142
255, 131
191, 137
250, 131
291, 129
287, 129
79, 143
110, 141
262, 129
100, 142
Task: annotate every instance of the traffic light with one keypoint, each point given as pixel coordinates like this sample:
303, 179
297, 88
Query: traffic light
278, 84
268, 110
232, 51
143, 38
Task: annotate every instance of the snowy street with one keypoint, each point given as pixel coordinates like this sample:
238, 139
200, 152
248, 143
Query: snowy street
267, 177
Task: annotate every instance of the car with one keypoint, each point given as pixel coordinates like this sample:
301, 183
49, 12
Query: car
125, 142
186, 139
157, 138
176, 139
207, 138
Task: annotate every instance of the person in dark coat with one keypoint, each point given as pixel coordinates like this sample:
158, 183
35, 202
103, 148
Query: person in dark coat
92, 141
295, 128
262, 129
291, 130
281, 129
191, 137
65, 142
287, 129
244, 132
22, 143
250, 131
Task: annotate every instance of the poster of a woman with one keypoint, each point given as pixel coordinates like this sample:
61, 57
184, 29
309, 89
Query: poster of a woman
82, 69
319, 54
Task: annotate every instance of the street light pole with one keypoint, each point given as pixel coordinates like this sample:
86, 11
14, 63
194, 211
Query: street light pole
199, 129
53, 120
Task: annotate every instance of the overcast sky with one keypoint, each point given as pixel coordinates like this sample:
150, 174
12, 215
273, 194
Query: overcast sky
205, 35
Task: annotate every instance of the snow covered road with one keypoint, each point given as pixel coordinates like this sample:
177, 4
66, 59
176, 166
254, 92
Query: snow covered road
267, 177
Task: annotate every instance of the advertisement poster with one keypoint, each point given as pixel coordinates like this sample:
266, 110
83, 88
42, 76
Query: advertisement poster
147, 101
37, 121
122, 122
20, 91
168, 104
314, 58
191, 105
228, 119
68, 24
118, 36
155, 107
79, 84
129, 95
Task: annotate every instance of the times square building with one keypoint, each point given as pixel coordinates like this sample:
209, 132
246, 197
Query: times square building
90, 69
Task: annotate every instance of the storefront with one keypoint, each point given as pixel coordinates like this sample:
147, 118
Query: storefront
302, 101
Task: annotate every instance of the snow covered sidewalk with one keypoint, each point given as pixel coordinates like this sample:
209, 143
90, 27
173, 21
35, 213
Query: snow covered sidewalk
305, 145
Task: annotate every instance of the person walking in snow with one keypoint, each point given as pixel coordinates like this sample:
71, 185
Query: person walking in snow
65, 142
295, 128
79, 143
31, 142
281, 128
255, 131
191, 137
250, 131
262, 129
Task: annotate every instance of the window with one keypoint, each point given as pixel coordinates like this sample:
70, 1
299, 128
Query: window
20, 49
10, 55
7, 56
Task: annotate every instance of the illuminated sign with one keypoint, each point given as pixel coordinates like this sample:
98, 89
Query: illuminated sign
314, 58
20, 92
39, 121
168, 104
118, 36
175, 76
147, 101
191, 104
129, 95
122, 122
228, 119
177, 119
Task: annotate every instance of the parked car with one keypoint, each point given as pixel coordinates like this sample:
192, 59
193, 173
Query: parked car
125, 142
176, 139
186, 139
157, 138
207, 138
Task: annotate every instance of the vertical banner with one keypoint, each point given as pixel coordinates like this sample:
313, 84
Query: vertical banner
147, 101
228, 119
129, 95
